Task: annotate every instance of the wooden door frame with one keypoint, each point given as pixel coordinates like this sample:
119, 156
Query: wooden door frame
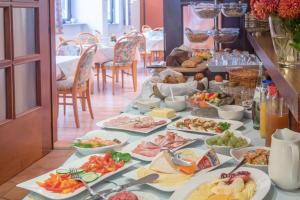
54, 104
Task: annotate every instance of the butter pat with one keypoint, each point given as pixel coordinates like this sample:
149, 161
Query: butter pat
163, 113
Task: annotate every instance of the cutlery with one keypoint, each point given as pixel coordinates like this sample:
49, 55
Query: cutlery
224, 175
102, 194
75, 175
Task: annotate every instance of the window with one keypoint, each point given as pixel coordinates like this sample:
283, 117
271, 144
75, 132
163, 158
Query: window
113, 11
66, 10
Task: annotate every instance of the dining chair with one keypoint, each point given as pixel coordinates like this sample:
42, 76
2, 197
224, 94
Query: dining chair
78, 87
88, 39
124, 61
142, 47
157, 55
146, 28
69, 48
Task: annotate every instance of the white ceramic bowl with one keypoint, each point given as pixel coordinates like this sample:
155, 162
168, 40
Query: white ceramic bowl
231, 112
103, 135
178, 104
225, 150
147, 104
238, 155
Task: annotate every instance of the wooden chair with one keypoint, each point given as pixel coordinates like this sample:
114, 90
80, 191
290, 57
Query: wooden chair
69, 48
157, 55
146, 28
142, 46
124, 55
79, 84
88, 38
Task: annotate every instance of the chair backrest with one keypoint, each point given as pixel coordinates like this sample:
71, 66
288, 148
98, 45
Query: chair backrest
146, 28
69, 48
84, 66
87, 38
158, 29
140, 37
124, 50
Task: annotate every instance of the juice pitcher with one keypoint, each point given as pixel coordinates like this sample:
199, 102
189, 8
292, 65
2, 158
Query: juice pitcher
284, 161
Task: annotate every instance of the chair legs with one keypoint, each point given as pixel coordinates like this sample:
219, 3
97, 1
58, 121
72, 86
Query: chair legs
83, 104
103, 71
65, 103
97, 66
113, 80
122, 73
75, 108
88, 98
134, 75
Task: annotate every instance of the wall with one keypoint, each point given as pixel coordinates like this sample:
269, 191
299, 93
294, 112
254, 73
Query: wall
153, 13
2, 72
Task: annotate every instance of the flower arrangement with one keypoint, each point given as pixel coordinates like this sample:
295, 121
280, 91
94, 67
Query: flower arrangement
287, 13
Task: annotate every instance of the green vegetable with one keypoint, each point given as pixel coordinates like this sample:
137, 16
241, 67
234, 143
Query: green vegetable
118, 156
66, 171
225, 126
89, 177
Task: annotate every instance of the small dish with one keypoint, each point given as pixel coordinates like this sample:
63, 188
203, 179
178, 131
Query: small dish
225, 35
232, 112
234, 9
207, 10
196, 36
147, 104
238, 155
178, 104
103, 135
225, 150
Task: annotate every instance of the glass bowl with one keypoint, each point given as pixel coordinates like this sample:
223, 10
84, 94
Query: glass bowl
207, 10
225, 35
196, 36
234, 9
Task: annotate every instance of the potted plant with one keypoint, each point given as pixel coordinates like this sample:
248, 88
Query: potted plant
284, 21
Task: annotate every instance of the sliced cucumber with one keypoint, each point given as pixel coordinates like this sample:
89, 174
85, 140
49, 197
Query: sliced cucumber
66, 171
89, 177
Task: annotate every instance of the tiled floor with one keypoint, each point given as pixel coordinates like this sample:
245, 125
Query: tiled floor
104, 105
9, 191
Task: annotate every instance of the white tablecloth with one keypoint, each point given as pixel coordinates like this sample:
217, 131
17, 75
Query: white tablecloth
154, 40
274, 194
67, 64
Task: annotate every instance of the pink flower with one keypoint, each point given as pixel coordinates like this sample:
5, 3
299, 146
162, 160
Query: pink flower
262, 9
289, 9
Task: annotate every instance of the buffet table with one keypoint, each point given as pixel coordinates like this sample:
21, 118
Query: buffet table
274, 193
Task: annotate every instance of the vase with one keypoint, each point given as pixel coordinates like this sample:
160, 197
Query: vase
287, 56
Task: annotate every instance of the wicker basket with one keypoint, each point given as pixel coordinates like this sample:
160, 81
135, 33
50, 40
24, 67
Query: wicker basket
245, 77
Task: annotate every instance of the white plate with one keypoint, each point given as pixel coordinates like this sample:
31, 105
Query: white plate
143, 195
263, 183
122, 137
130, 147
233, 125
238, 155
226, 149
32, 186
223, 159
101, 123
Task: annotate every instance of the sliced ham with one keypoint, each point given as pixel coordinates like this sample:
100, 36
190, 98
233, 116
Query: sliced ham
123, 196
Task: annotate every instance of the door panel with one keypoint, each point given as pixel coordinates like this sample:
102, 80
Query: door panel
1, 34
2, 95
26, 133
24, 31
25, 87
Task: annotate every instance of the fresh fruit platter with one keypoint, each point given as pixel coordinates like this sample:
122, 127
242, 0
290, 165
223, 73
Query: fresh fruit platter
200, 99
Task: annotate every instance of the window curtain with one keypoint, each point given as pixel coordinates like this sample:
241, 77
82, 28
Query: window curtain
127, 12
58, 17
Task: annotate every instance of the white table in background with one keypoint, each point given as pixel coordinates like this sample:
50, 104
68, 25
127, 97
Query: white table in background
67, 64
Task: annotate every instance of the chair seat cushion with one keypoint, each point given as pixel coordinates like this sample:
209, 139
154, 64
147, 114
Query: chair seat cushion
109, 64
65, 84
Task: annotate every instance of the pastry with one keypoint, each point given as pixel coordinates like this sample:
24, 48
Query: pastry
198, 77
189, 64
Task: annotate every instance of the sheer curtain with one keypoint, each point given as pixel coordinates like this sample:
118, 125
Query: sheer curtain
58, 17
